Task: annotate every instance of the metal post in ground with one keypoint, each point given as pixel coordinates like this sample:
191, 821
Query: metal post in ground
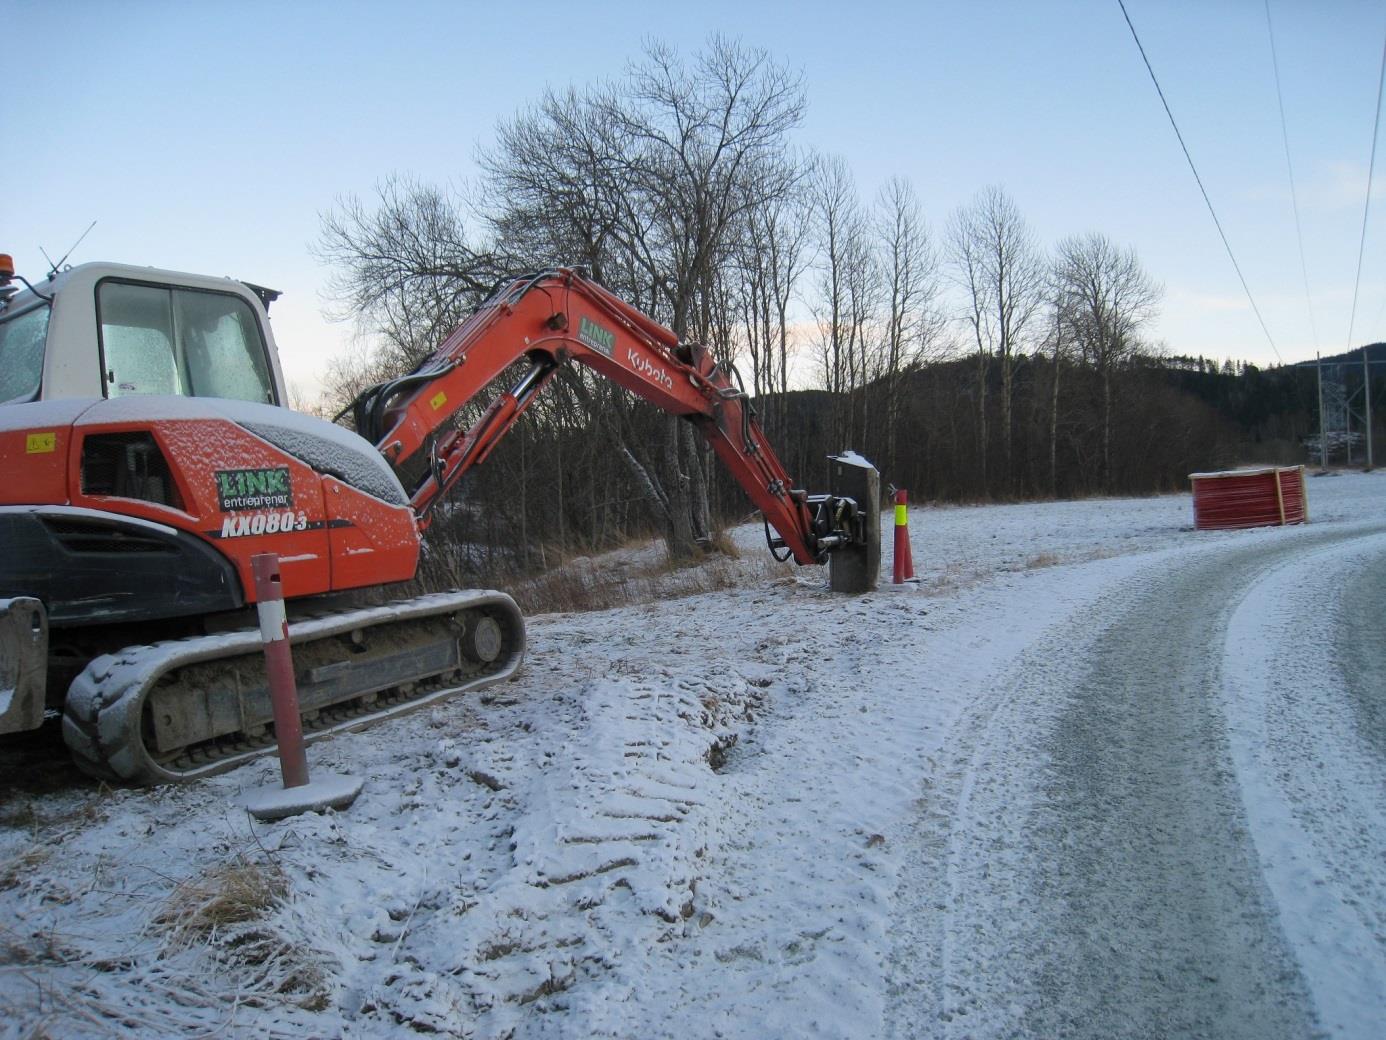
299, 794
279, 667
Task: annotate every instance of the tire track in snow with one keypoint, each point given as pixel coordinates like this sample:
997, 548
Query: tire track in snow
1305, 704
969, 664
1099, 877
1362, 645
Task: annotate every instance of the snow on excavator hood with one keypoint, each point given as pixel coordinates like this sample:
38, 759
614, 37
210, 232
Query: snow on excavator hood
325, 446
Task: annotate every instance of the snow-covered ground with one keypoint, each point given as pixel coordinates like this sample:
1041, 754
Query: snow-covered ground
1096, 774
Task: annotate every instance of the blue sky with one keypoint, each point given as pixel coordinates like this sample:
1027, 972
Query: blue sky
210, 136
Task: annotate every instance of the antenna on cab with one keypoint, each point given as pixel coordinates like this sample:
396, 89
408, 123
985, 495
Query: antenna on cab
53, 268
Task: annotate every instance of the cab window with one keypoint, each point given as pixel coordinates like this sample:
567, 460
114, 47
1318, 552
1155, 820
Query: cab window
21, 354
166, 340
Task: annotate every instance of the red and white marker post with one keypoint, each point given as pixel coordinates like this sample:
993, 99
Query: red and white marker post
299, 794
904, 562
279, 666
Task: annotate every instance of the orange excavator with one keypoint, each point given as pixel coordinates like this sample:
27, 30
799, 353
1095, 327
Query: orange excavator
148, 454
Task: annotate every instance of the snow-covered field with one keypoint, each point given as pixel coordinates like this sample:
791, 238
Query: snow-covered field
775, 812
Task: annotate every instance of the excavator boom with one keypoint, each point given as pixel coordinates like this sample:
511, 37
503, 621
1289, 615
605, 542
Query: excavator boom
557, 317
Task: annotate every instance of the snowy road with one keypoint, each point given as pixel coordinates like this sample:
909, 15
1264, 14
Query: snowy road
1097, 775
1100, 876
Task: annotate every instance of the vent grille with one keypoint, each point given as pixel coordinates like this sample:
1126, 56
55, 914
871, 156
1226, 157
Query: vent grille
128, 465
78, 536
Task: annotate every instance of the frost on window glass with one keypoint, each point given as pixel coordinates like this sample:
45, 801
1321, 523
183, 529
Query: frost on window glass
161, 340
137, 338
221, 344
21, 354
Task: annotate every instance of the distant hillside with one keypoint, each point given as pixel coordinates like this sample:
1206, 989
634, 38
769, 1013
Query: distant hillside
1375, 352
1282, 403
1172, 416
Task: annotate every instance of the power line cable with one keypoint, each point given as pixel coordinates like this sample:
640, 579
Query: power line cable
1289, 166
1212, 212
1371, 169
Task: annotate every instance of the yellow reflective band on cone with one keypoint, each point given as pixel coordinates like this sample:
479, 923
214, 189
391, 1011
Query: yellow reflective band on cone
901, 518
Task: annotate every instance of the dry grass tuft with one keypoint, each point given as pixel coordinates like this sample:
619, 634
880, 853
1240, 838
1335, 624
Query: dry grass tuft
220, 946
38, 948
569, 589
723, 545
229, 912
21, 817
587, 585
234, 893
555, 983
18, 869
1045, 559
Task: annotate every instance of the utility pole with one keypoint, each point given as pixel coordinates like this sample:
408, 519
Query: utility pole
1323, 435
1367, 398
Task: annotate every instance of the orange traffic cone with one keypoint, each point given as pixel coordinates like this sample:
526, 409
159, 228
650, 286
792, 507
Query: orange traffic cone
904, 563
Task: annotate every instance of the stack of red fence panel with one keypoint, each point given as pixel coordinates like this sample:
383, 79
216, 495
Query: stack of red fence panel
1249, 498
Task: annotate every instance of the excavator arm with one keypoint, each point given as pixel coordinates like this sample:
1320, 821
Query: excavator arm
557, 317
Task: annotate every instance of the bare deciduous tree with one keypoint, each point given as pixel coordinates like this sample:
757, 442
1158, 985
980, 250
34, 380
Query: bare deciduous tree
554, 186
772, 254
913, 320
405, 267
844, 288
649, 181
1104, 298
998, 266
1060, 346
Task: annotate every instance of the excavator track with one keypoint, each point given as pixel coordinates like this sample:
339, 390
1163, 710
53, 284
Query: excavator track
188, 708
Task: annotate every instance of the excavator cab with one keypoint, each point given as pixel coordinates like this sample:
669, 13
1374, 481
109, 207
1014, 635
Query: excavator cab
104, 330
166, 339
107, 330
